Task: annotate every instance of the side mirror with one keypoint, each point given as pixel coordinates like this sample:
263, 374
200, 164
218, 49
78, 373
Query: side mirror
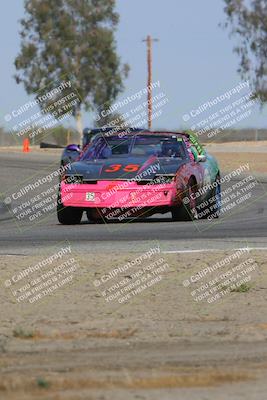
201, 158
73, 147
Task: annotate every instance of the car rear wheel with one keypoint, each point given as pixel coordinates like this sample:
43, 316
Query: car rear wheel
68, 215
187, 211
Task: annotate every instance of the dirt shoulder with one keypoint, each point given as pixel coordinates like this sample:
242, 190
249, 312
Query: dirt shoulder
81, 341
231, 161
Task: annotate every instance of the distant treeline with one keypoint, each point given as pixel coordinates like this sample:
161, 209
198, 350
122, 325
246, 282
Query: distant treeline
234, 135
58, 135
62, 136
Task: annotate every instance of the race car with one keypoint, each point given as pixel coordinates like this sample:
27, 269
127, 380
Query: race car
125, 175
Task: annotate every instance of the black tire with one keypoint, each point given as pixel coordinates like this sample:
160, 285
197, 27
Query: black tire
94, 215
68, 215
215, 200
187, 211
212, 209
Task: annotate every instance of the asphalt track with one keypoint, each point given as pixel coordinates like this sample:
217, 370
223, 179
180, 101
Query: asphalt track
244, 225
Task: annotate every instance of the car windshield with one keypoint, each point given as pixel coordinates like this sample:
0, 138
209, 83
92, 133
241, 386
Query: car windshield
146, 145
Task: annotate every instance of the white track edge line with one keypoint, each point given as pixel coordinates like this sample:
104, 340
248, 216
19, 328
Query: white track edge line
212, 250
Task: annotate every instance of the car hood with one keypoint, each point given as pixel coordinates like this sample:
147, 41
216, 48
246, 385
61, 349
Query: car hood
122, 168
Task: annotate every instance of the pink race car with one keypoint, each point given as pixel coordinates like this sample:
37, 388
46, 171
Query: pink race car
127, 175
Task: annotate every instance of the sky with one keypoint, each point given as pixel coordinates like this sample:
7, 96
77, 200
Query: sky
193, 59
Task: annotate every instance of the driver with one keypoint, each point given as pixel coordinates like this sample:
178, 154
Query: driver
170, 150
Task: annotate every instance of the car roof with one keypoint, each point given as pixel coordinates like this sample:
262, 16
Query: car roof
106, 129
145, 132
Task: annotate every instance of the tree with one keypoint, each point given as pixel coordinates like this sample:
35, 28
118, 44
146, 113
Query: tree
73, 39
248, 21
61, 135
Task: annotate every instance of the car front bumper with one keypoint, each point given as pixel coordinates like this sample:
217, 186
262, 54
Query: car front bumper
117, 194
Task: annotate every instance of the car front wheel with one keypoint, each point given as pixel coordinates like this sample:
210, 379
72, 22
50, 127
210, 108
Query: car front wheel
187, 211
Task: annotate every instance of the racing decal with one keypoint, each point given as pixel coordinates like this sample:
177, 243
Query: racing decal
127, 168
113, 168
131, 168
194, 140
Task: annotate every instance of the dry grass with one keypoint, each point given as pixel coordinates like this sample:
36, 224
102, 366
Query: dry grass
205, 378
262, 326
37, 335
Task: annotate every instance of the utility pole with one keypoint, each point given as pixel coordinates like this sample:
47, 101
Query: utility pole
149, 41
